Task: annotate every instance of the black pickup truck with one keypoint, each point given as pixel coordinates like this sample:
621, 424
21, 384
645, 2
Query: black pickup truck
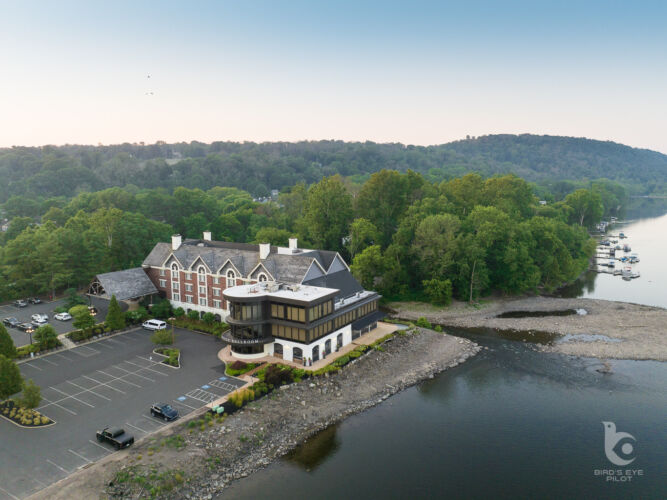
116, 436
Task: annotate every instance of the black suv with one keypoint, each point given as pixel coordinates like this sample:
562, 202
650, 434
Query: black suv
35, 300
164, 411
13, 322
20, 303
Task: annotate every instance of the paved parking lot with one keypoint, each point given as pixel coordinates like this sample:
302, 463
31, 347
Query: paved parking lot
110, 382
23, 314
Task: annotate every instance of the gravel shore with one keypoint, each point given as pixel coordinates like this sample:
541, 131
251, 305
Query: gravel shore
635, 331
267, 429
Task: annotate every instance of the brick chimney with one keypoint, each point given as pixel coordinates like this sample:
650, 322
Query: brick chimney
176, 241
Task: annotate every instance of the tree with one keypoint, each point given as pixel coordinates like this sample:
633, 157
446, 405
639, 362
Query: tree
438, 290
46, 337
115, 318
328, 213
73, 298
363, 234
10, 378
7, 347
32, 395
433, 243
82, 318
273, 235
587, 206
193, 315
162, 337
208, 318
368, 266
162, 309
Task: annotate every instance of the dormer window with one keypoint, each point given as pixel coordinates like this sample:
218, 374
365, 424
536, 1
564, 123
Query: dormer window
231, 278
174, 272
262, 278
202, 274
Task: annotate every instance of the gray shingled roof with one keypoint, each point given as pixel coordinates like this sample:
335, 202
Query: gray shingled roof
341, 280
127, 284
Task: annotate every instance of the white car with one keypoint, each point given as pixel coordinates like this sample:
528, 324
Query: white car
42, 318
154, 324
63, 316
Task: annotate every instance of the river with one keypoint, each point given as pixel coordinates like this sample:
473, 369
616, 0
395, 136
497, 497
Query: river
510, 423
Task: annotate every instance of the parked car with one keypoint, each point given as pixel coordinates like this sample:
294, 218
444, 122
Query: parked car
13, 322
35, 300
154, 324
64, 316
40, 322
20, 303
39, 317
115, 436
164, 411
26, 327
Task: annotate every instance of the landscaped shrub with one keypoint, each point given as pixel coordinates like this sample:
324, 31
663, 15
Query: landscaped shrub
46, 337
162, 337
216, 329
137, 316
208, 318
171, 354
438, 328
193, 315
277, 375
179, 312
423, 323
115, 317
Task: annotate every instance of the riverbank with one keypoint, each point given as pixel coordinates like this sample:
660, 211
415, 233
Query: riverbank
207, 459
634, 331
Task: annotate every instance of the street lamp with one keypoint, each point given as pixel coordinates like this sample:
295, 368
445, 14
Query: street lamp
173, 335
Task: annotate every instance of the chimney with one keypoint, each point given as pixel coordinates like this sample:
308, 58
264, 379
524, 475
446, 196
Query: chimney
176, 241
293, 244
207, 235
264, 249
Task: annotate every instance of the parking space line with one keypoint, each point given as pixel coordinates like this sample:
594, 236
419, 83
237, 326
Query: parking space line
49, 362
60, 355
137, 428
121, 379
146, 368
153, 419
104, 383
32, 365
114, 341
55, 404
103, 344
88, 390
133, 373
80, 456
99, 445
9, 494
80, 351
71, 396
43, 485
59, 467
182, 403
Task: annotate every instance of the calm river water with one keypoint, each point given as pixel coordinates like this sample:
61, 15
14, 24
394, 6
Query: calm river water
510, 423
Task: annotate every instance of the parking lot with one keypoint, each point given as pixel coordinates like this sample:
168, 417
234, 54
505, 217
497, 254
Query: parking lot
23, 314
111, 382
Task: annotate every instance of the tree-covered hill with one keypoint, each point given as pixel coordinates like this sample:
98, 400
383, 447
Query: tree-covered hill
67, 170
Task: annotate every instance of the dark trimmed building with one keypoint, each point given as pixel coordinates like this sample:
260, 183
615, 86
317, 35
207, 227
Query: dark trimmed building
285, 301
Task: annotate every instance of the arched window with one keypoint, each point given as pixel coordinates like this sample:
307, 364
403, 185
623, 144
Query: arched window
202, 274
231, 278
278, 350
262, 277
297, 353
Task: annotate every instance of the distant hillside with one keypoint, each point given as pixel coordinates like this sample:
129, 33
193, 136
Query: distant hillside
64, 171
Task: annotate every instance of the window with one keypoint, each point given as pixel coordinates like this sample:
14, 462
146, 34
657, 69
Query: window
188, 299
174, 286
188, 287
202, 290
216, 304
216, 292
188, 276
216, 280
203, 301
176, 297
231, 278
163, 283
262, 277
174, 272
202, 274
163, 272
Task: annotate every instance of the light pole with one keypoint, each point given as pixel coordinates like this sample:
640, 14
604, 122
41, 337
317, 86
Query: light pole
173, 335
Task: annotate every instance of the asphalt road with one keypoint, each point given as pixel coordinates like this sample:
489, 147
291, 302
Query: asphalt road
23, 314
111, 382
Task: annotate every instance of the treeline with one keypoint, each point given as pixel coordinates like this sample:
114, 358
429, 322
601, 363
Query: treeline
51, 171
403, 233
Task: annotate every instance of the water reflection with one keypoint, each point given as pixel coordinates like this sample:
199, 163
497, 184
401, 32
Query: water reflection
316, 450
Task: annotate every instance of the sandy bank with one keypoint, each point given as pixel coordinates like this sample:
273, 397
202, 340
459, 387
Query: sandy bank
267, 429
642, 330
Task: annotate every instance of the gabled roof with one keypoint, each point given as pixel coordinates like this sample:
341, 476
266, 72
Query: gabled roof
127, 284
342, 280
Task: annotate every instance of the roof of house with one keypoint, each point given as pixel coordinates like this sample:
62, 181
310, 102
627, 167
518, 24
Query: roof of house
284, 266
341, 280
127, 284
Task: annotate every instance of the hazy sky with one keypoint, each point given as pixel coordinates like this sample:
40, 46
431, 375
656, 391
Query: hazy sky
412, 72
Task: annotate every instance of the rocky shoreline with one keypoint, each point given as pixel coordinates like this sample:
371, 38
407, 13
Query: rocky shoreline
609, 329
263, 431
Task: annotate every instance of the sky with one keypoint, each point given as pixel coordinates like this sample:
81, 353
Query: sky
414, 72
